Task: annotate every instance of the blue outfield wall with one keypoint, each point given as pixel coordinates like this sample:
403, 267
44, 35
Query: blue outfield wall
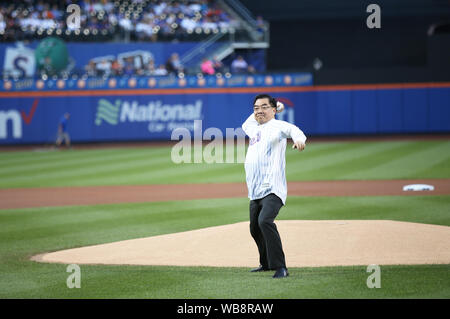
374, 111
152, 113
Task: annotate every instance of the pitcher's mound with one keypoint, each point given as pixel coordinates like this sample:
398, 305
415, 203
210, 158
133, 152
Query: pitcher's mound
306, 244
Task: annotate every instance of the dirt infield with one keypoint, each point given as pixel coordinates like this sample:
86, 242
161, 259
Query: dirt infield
306, 244
63, 196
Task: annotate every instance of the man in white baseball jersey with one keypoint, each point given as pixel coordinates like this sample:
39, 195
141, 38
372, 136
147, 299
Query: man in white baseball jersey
266, 179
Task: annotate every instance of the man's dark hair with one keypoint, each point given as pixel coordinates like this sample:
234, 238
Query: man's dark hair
272, 100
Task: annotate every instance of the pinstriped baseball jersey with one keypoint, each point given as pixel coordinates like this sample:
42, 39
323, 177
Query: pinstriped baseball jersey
265, 160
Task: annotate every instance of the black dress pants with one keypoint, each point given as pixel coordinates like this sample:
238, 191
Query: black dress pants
264, 231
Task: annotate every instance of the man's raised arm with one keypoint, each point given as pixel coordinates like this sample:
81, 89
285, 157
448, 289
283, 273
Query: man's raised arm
297, 135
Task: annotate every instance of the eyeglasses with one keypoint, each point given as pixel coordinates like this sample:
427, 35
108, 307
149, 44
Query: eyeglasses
264, 107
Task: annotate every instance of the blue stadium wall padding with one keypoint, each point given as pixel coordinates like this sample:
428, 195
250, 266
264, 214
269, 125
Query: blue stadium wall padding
32, 117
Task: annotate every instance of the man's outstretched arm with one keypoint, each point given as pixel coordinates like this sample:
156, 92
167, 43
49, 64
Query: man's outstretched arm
292, 131
298, 137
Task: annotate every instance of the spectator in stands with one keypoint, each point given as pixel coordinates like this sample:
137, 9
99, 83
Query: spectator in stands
104, 68
218, 65
128, 68
139, 69
213, 11
47, 68
2, 23
159, 7
188, 24
208, 23
173, 64
161, 70
150, 68
91, 69
207, 67
260, 26
57, 14
125, 23
144, 29
116, 68
195, 7
112, 19
239, 65
93, 24
165, 28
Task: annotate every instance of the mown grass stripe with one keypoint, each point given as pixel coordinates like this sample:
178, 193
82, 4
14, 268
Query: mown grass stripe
406, 163
198, 170
363, 164
80, 171
119, 173
315, 165
165, 174
26, 157
53, 155
317, 150
77, 154
71, 162
441, 169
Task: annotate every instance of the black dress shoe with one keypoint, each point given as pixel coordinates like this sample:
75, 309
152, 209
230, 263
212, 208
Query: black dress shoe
281, 273
260, 268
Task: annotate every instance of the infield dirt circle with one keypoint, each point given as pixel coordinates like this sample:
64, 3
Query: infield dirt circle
307, 243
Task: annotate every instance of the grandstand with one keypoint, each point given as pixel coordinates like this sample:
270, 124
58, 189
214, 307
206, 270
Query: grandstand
329, 41
218, 27
115, 20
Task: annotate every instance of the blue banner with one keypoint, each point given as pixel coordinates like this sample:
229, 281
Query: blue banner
154, 82
152, 114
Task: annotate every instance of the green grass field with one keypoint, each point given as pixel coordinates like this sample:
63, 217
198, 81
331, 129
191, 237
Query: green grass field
25, 232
